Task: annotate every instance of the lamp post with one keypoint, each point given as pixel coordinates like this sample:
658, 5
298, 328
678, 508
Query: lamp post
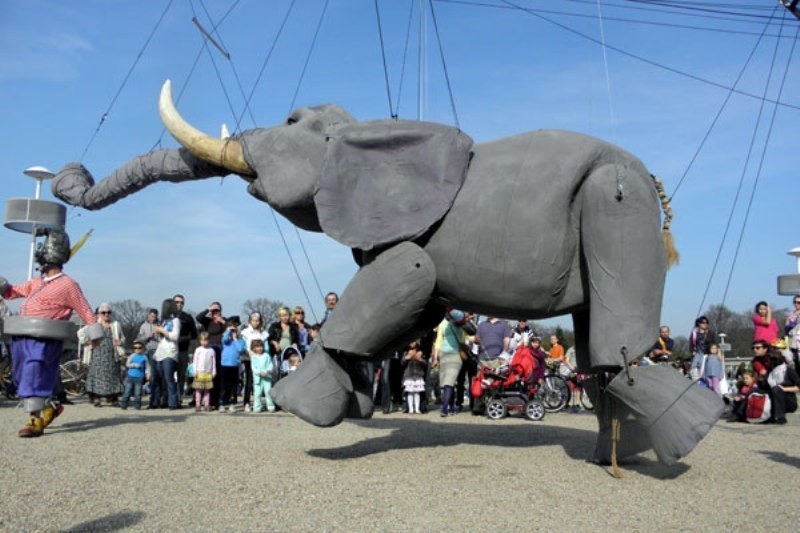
789, 284
28, 215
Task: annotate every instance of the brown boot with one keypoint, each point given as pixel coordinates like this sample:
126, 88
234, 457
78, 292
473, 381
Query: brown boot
34, 428
50, 413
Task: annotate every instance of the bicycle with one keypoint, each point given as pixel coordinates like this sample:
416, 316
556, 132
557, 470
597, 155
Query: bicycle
7, 387
73, 376
554, 391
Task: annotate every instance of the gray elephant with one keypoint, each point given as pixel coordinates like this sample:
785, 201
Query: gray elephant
535, 225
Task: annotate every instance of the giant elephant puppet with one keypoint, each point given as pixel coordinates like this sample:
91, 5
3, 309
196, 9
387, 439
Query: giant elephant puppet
535, 225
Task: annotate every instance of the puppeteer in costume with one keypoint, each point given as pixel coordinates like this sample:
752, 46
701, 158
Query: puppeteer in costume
38, 333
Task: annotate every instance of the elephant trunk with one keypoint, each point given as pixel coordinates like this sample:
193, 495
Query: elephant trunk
74, 184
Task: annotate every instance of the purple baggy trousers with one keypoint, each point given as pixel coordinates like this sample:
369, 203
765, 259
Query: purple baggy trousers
35, 365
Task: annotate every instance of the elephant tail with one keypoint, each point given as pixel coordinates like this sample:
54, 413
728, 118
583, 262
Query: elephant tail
671, 253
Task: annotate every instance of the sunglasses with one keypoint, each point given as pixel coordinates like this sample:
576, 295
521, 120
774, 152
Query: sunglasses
299, 312
797, 302
104, 313
138, 347
215, 311
759, 347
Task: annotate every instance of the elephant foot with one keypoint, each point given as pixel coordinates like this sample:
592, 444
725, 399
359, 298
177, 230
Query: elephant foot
660, 409
319, 391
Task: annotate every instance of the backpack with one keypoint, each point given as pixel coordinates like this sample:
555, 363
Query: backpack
759, 407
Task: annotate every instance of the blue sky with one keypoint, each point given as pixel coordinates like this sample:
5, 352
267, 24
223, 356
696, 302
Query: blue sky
62, 63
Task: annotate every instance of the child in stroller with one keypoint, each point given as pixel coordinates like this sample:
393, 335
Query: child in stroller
289, 359
511, 387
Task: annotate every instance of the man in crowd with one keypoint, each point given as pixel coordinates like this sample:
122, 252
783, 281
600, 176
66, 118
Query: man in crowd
188, 334
518, 335
662, 349
35, 360
493, 337
331, 299
556, 352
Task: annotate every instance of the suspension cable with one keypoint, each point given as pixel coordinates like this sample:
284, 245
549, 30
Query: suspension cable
644, 59
721, 109
736, 197
308, 56
607, 75
125, 80
444, 64
405, 56
247, 109
196, 61
383, 57
264, 64
763, 156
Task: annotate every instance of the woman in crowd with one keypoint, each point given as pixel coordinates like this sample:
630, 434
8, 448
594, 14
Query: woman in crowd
792, 329
149, 338
166, 355
255, 329
283, 333
303, 329
449, 338
766, 327
104, 379
699, 340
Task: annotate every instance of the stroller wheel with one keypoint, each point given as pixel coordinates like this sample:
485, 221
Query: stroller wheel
496, 409
534, 410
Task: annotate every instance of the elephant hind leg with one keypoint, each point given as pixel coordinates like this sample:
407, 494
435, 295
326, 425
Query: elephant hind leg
624, 258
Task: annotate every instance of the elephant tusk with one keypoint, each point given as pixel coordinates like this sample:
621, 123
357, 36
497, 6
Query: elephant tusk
225, 153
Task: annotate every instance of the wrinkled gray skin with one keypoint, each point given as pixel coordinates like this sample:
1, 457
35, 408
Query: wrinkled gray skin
545, 223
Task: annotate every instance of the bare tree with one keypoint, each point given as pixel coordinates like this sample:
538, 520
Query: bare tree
268, 309
130, 314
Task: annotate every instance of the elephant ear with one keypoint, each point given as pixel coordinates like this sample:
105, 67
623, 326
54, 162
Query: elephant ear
389, 180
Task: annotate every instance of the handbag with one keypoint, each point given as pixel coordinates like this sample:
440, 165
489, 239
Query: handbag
116, 334
724, 386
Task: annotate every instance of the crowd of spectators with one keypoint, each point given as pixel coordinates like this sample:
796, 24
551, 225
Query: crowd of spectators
763, 390
231, 366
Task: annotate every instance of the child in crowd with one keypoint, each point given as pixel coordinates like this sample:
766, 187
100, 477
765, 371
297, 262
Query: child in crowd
232, 348
714, 369
138, 370
294, 362
414, 376
313, 335
261, 363
740, 401
205, 368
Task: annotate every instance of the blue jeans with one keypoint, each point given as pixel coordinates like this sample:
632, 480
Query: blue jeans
166, 368
132, 386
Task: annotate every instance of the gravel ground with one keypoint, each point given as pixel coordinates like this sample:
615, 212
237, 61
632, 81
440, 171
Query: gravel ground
107, 469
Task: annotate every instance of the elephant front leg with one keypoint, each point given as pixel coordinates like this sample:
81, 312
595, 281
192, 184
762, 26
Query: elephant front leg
386, 304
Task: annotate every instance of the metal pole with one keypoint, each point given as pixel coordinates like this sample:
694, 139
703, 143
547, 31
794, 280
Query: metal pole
37, 195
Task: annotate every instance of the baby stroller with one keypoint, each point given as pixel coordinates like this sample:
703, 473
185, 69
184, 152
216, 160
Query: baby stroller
509, 388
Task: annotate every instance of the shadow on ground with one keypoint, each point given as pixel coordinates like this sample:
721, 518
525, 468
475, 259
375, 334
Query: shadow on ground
113, 522
413, 434
780, 457
111, 421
